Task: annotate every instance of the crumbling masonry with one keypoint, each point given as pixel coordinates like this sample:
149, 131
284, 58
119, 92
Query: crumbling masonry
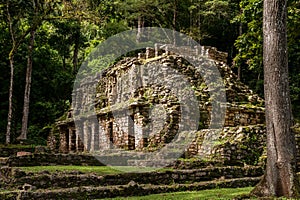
123, 114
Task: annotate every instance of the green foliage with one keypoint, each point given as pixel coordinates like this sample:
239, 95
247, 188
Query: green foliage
249, 46
294, 54
210, 23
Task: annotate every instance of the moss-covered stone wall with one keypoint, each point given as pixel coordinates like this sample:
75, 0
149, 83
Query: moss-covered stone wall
123, 109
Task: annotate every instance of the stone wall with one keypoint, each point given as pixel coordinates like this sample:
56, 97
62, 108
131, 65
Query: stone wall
45, 180
237, 115
6, 152
53, 159
76, 185
230, 146
133, 189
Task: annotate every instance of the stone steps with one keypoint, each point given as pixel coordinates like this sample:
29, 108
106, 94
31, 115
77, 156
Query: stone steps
44, 180
131, 189
113, 159
158, 162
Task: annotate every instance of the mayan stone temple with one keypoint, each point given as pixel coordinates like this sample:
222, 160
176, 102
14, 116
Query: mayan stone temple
140, 114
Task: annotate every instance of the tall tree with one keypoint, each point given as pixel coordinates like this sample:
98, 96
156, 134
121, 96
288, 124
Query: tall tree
14, 20
29, 72
23, 135
11, 64
42, 10
280, 177
37, 12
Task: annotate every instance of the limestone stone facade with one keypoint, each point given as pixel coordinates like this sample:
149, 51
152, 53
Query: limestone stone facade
124, 105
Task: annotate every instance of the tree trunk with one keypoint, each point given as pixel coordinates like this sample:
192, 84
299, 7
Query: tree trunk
10, 98
23, 135
239, 67
139, 30
76, 50
191, 20
174, 22
11, 85
199, 23
280, 177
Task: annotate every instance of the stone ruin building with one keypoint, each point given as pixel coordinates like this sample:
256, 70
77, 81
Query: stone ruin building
123, 114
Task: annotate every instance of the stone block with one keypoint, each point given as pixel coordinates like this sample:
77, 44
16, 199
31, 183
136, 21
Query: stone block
23, 153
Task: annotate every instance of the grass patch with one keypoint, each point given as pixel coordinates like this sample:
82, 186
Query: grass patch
225, 193
100, 170
17, 146
5, 190
130, 169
